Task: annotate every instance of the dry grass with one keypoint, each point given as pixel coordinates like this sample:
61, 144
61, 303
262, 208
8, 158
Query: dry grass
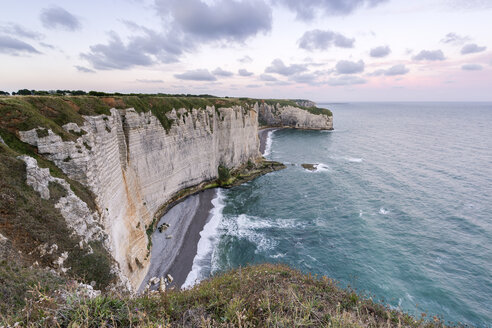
258, 296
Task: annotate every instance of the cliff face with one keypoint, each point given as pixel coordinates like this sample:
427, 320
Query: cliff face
133, 166
294, 117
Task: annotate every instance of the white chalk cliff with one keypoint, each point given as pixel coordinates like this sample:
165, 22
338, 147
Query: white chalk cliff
134, 166
294, 117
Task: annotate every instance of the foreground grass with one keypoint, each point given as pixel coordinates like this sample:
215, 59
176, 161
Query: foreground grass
259, 296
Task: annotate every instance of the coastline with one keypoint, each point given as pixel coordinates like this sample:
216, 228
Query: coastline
263, 135
172, 255
186, 219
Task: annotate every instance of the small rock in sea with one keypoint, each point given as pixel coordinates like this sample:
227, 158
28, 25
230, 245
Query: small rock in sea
170, 278
169, 236
310, 167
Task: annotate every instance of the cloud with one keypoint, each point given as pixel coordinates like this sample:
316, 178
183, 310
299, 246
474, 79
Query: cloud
84, 69
380, 52
322, 40
146, 49
149, 81
20, 31
308, 78
220, 72
189, 23
15, 47
219, 20
117, 55
47, 45
456, 39
269, 78
279, 67
56, 17
307, 9
392, 71
349, 67
345, 80
429, 55
253, 86
243, 72
472, 48
278, 83
472, 67
196, 75
245, 60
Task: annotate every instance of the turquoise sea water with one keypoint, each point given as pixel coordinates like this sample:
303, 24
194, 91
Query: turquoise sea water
400, 207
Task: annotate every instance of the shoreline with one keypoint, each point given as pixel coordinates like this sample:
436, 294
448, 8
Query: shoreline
173, 255
187, 218
263, 135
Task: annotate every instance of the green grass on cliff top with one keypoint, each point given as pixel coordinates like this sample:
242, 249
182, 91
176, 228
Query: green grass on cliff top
21, 113
259, 296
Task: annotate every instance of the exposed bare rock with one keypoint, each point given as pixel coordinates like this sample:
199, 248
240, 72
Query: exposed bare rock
293, 117
77, 214
305, 103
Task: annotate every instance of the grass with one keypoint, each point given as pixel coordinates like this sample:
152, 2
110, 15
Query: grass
29, 221
16, 282
21, 113
266, 295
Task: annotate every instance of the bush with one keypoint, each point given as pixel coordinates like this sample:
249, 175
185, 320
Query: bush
224, 174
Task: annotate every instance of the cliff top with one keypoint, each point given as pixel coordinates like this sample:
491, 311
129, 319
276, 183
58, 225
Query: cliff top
21, 113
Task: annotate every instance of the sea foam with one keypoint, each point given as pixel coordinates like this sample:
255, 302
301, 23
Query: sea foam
268, 144
208, 238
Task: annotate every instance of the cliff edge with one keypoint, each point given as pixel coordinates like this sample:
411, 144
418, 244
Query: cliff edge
106, 167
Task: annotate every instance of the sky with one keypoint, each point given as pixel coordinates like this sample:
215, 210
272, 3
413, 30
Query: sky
323, 50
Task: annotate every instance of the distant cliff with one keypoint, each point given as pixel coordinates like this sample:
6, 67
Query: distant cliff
287, 115
133, 154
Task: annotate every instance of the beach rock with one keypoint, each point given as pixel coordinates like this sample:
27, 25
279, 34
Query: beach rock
163, 227
170, 278
162, 286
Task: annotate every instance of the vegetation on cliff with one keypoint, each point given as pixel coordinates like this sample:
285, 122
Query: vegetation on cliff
258, 296
33, 225
21, 113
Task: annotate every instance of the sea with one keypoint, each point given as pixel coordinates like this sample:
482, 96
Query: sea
399, 208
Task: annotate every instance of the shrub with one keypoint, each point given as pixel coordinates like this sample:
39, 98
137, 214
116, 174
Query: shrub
224, 174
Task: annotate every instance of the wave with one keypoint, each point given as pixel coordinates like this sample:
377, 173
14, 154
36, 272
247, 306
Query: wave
208, 238
354, 160
268, 144
321, 167
250, 228
383, 211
